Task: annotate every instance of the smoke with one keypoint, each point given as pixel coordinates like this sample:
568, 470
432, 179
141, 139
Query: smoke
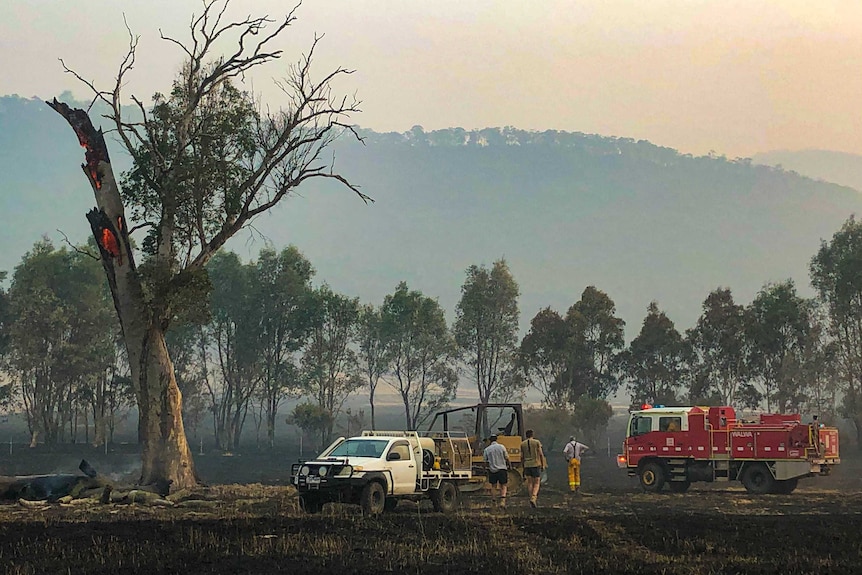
129, 474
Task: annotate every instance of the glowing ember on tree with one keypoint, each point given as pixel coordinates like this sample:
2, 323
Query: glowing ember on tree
90, 139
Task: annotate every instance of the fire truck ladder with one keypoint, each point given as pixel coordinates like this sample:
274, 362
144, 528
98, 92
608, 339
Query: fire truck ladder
677, 468
720, 463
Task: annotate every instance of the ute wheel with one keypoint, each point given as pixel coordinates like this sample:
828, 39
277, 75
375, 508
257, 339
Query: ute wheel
652, 477
390, 504
446, 498
373, 499
758, 479
679, 486
785, 487
311, 504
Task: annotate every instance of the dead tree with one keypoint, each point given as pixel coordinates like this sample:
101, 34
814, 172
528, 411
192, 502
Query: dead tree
206, 160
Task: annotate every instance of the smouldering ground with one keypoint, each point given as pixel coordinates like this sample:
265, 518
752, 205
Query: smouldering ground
258, 529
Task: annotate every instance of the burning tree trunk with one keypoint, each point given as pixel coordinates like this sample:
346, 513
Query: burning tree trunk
207, 160
165, 452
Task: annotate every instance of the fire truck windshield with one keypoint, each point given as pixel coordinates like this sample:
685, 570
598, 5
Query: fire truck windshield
640, 425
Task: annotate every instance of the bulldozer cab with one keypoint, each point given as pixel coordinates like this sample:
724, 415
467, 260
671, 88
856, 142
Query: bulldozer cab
480, 421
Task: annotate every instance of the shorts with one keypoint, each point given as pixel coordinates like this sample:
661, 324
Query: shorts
498, 477
532, 472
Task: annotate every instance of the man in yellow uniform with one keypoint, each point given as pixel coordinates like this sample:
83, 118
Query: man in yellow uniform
573, 452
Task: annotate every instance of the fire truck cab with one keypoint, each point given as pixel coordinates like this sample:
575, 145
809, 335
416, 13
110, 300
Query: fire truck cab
676, 446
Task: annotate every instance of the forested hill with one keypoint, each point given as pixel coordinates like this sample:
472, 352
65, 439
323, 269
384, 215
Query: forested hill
838, 167
638, 221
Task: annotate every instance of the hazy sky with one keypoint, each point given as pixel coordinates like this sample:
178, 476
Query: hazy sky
734, 76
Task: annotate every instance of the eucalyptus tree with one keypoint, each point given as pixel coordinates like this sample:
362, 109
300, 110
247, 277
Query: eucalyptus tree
284, 294
544, 357
654, 363
486, 329
777, 332
597, 336
207, 159
719, 349
373, 353
590, 416
819, 370
112, 397
235, 336
329, 368
574, 360
5, 387
4, 317
313, 420
184, 340
836, 274
61, 335
422, 353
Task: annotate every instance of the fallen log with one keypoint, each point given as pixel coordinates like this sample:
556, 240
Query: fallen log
50, 487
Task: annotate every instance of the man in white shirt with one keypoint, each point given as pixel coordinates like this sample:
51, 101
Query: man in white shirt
573, 451
497, 458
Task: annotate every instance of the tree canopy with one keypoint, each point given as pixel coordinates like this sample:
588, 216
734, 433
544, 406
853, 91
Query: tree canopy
486, 329
207, 159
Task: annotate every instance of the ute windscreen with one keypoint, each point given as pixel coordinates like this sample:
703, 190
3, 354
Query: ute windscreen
360, 448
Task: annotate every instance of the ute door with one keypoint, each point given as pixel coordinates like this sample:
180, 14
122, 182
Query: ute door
400, 463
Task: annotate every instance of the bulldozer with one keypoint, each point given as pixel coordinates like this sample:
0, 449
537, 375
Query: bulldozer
479, 422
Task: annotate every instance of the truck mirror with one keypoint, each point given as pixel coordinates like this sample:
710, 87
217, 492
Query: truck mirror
393, 456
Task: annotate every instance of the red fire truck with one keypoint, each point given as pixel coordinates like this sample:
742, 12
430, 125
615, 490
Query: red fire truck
676, 446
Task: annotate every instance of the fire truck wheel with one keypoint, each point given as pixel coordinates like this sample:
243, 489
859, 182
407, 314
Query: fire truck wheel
785, 487
652, 477
758, 479
679, 486
373, 499
310, 503
446, 498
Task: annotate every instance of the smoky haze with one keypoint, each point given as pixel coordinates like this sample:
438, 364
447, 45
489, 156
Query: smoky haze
737, 77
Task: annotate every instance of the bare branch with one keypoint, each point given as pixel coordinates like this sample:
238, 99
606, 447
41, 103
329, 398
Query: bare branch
98, 94
77, 249
140, 227
177, 42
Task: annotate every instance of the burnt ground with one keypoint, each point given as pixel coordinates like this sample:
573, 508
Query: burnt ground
612, 528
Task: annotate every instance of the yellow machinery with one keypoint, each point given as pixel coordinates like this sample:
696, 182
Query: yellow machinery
480, 421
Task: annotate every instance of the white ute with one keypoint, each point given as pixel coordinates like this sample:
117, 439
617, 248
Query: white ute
378, 468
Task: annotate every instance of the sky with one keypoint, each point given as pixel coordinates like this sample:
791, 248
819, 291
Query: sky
733, 77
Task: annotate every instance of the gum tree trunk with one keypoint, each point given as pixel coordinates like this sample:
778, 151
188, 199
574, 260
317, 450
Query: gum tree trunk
166, 458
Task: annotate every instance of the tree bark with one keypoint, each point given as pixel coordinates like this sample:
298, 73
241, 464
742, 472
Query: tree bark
166, 458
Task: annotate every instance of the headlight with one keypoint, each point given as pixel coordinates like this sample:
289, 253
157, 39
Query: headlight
322, 471
305, 470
